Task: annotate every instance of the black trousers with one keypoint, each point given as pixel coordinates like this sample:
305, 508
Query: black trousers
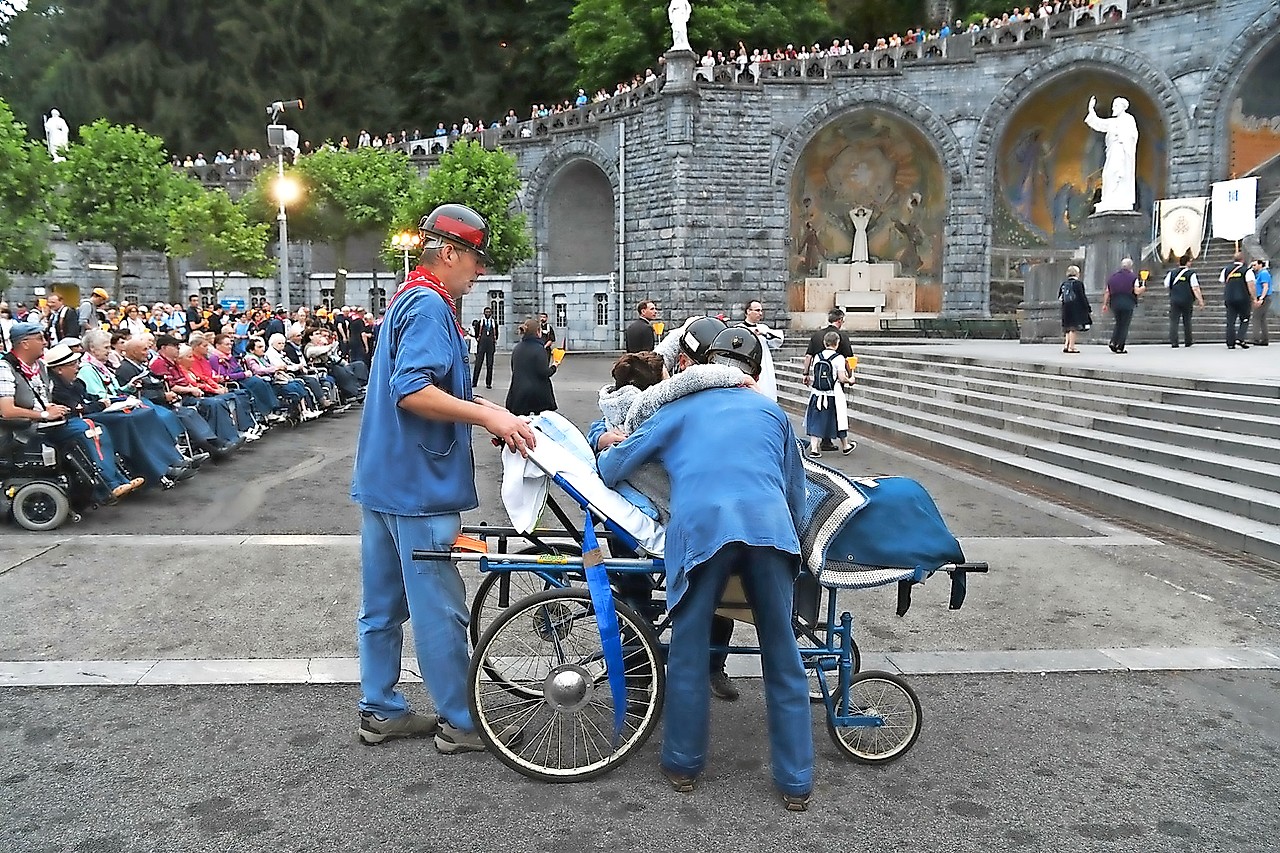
484, 355
1176, 313
1120, 334
1238, 323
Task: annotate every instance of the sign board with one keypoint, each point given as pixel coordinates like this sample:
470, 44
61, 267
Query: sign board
231, 303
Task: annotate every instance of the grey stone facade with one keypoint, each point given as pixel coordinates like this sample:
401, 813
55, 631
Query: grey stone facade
700, 171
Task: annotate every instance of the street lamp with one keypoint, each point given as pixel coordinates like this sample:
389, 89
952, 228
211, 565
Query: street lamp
287, 190
407, 242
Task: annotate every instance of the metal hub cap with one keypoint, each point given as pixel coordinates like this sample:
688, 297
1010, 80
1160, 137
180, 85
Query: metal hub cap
568, 687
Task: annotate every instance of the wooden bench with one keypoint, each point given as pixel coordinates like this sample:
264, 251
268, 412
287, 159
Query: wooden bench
990, 329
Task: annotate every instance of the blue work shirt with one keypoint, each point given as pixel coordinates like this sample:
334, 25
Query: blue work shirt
1261, 283
736, 475
406, 464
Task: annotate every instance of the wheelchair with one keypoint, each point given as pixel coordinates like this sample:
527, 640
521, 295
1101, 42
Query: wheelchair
47, 485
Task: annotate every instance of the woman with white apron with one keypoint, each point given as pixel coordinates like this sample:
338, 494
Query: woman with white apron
827, 416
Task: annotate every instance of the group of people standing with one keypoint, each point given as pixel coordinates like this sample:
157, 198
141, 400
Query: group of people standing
1246, 293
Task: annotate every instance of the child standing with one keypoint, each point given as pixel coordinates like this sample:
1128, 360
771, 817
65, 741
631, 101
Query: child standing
827, 416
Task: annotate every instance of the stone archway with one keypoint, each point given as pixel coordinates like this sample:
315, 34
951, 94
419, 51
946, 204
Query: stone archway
580, 221
1226, 80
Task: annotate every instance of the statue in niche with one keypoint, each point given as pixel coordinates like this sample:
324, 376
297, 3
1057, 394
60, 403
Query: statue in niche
860, 216
57, 135
1119, 169
810, 249
910, 257
678, 12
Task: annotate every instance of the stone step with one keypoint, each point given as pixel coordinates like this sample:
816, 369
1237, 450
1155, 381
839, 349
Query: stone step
1230, 412
1226, 529
1213, 481
1088, 429
1217, 395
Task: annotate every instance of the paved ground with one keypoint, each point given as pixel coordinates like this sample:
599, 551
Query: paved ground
257, 559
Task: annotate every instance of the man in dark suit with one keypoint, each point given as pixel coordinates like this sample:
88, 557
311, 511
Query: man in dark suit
486, 332
640, 336
64, 322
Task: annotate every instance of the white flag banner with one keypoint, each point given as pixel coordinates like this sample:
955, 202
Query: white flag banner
1235, 209
1181, 222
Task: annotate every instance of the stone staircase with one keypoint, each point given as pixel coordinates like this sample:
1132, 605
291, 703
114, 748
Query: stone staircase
1196, 455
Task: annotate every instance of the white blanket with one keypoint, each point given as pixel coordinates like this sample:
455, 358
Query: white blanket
563, 450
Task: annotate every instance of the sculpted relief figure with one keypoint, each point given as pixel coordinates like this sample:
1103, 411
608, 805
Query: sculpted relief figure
56, 134
860, 216
678, 12
1120, 166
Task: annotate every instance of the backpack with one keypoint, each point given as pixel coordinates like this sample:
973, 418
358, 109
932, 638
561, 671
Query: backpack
1067, 292
824, 374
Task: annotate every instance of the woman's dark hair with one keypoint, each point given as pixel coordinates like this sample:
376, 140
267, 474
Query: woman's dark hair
641, 369
531, 327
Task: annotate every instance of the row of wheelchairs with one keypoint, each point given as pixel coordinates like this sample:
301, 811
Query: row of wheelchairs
540, 688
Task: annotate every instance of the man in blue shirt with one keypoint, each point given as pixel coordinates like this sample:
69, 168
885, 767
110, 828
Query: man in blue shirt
414, 475
731, 513
1261, 301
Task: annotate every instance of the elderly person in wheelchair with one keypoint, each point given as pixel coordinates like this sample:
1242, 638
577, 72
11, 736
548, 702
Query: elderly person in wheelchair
29, 419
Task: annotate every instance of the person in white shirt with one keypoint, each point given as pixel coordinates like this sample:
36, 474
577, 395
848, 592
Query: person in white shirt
772, 339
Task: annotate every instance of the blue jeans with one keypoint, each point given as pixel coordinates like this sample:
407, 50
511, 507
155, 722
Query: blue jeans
396, 588
768, 576
99, 449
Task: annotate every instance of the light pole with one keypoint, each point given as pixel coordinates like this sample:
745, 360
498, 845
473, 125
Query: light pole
407, 242
287, 190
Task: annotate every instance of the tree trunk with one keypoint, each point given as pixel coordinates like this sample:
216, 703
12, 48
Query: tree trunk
118, 286
340, 272
175, 289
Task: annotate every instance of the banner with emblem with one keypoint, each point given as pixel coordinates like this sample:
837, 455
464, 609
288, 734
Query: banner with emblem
1235, 209
1181, 224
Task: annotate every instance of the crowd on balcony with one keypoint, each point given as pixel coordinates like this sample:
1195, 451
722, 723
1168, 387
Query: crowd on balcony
738, 61
173, 387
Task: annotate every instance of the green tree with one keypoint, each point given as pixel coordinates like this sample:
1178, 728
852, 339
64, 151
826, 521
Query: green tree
613, 40
24, 211
116, 185
864, 21
344, 194
208, 224
485, 180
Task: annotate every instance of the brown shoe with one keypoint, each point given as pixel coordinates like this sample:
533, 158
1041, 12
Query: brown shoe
796, 802
680, 783
121, 491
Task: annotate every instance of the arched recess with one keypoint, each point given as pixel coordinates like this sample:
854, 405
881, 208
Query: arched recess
1255, 51
580, 221
880, 148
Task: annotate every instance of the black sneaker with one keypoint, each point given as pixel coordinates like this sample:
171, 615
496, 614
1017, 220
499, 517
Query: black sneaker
722, 687
375, 729
796, 802
680, 782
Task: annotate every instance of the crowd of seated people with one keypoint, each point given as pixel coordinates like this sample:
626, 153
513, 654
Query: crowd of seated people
148, 409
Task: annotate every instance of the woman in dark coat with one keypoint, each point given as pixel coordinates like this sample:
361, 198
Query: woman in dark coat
1076, 313
531, 372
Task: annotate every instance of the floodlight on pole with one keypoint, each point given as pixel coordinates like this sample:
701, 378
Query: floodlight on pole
280, 137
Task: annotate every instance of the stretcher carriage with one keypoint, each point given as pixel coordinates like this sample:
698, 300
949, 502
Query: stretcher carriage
567, 675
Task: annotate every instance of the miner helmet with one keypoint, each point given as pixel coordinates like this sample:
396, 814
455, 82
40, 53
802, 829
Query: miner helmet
697, 335
458, 224
737, 347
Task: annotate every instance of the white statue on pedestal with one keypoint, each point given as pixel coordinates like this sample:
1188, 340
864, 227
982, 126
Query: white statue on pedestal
1119, 188
678, 12
57, 135
860, 216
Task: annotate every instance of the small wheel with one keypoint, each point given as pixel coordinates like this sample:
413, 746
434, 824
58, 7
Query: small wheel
812, 638
500, 590
40, 506
895, 710
557, 724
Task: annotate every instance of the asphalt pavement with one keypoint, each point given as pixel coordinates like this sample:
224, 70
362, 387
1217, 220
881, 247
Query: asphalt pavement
258, 559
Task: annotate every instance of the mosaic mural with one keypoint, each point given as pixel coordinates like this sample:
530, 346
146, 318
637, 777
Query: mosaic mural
1255, 114
1049, 163
880, 161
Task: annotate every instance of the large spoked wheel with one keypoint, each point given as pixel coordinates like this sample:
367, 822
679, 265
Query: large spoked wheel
894, 719
499, 590
812, 638
557, 724
40, 506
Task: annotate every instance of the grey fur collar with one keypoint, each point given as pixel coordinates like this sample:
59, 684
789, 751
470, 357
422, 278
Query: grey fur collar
698, 377
615, 403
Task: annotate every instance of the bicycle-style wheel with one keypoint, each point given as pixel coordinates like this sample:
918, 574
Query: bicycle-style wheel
894, 716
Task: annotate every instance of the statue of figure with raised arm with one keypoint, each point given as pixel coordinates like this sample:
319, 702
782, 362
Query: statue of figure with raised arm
678, 12
1119, 189
860, 216
57, 135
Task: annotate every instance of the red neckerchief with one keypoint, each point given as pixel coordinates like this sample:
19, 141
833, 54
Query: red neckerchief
30, 371
421, 277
